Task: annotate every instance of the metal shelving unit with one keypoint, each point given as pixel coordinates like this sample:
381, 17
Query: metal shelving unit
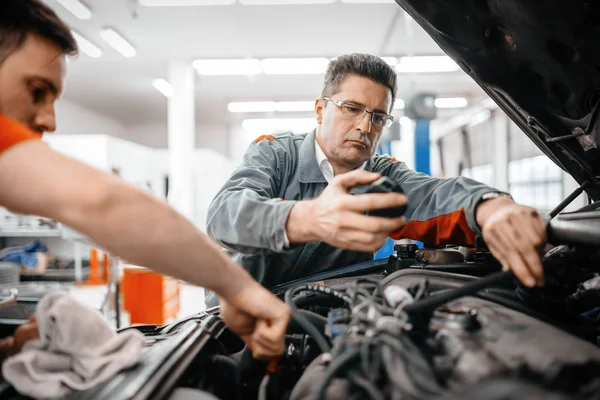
41, 233
59, 232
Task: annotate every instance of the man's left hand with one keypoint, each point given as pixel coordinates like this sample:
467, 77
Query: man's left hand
514, 235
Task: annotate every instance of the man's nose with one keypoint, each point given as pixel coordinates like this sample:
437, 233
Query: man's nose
45, 120
365, 123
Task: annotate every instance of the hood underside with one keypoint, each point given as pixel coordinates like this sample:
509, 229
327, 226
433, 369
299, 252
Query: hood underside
539, 60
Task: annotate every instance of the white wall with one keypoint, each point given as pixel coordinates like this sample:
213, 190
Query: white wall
139, 165
151, 135
214, 137
72, 118
87, 148
208, 136
211, 170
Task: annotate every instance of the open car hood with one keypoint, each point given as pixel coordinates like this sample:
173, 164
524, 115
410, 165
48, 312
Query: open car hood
538, 60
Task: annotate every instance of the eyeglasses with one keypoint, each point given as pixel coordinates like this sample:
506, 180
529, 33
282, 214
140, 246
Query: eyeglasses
352, 111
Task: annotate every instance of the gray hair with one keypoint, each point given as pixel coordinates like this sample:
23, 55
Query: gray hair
365, 65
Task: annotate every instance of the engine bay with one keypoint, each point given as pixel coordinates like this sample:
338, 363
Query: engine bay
421, 332
440, 324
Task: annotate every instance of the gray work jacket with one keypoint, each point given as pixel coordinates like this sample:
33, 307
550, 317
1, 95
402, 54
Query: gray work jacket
249, 213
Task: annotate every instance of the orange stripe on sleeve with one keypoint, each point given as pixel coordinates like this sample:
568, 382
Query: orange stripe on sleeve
12, 133
445, 229
264, 137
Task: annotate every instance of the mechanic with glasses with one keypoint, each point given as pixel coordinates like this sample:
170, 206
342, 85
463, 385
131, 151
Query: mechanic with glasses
286, 212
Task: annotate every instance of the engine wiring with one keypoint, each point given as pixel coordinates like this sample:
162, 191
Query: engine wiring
383, 348
380, 350
370, 341
301, 320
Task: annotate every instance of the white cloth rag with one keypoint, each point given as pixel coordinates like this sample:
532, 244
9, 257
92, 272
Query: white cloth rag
77, 350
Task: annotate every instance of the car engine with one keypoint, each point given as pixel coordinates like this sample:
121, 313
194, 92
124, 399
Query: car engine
431, 324
423, 333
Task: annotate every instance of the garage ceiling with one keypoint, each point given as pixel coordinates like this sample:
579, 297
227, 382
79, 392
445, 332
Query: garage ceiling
122, 87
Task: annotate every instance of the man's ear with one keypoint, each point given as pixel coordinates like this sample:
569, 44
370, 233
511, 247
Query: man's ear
319, 109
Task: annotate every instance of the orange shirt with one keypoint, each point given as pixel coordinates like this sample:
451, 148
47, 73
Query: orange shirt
12, 133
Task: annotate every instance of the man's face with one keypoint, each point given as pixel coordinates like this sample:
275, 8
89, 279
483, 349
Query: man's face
31, 79
348, 141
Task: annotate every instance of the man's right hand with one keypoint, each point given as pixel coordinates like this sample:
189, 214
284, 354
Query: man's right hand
337, 217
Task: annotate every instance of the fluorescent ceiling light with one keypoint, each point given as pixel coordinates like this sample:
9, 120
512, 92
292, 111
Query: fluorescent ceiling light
77, 8
185, 3
118, 42
270, 125
427, 64
270, 106
86, 46
251, 106
284, 2
392, 61
293, 106
163, 86
450, 102
399, 104
298, 66
248, 66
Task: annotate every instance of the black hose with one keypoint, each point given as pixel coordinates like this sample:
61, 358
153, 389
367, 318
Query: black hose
228, 362
367, 386
430, 303
321, 289
318, 321
378, 287
304, 322
458, 279
335, 367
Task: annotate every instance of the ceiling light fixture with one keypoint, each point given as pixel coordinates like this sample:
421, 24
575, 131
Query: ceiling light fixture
294, 106
185, 3
77, 8
450, 102
294, 66
421, 64
118, 42
86, 46
163, 86
251, 106
392, 61
247, 66
270, 106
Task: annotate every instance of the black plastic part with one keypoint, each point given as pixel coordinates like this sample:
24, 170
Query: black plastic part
575, 228
365, 268
406, 251
382, 185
